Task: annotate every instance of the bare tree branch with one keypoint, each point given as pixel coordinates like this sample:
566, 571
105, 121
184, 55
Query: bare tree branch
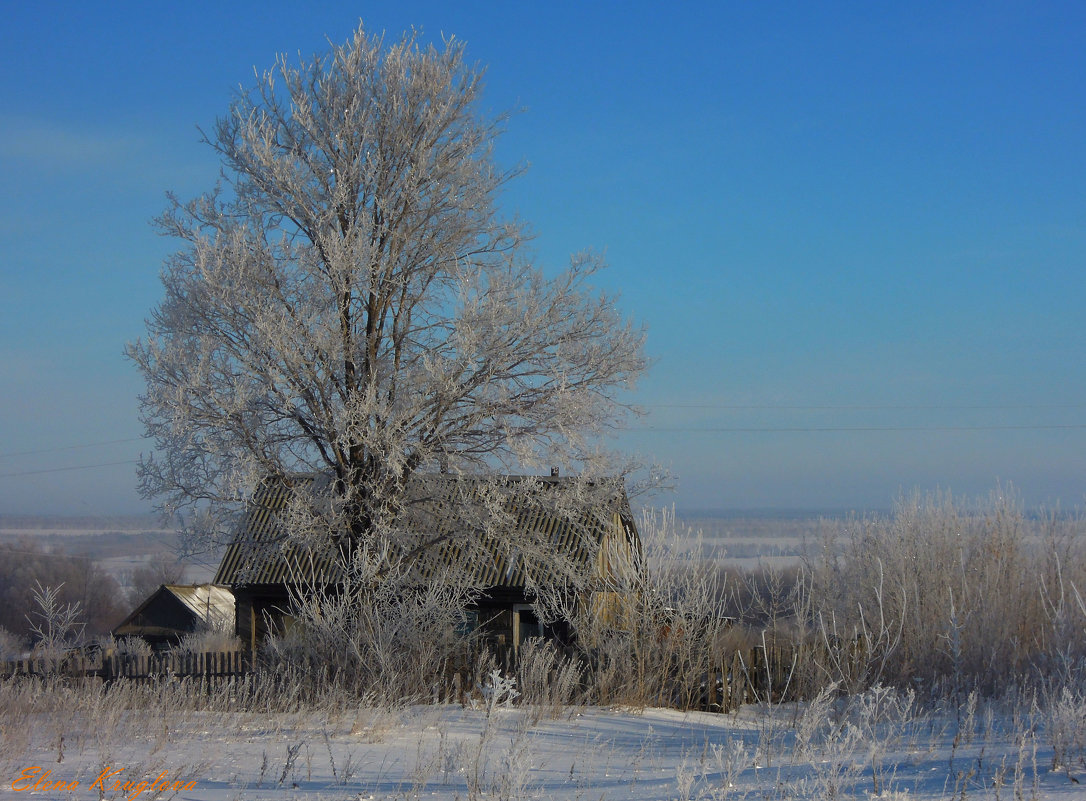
349, 302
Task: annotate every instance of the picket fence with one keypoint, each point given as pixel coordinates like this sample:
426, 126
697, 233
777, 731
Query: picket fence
109, 667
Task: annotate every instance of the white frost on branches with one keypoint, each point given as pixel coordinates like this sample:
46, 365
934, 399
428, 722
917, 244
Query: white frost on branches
349, 303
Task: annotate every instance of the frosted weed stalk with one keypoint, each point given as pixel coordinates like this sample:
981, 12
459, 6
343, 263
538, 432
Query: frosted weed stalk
1065, 727
730, 760
770, 736
498, 692
711, 771
881, 716
828, 747
549, 682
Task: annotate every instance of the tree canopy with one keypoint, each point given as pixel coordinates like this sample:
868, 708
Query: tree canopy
349, 301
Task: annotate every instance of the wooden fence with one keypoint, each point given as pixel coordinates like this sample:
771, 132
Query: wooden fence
108, 667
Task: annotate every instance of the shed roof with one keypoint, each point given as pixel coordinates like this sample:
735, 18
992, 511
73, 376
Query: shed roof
208, 604
261, 553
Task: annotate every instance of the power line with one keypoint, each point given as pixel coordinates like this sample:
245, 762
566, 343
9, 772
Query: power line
64, 469
698, 430
821, 429
718, 406
69, 447
859, 407
99, 560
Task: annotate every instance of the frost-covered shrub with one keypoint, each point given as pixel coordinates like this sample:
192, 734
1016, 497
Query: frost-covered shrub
376, 635
1065, 727
662, 632
11, 646
125, 646
208, 641
549, 680
951, 595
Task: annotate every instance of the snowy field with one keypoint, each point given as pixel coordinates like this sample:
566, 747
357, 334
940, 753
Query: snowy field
876, 746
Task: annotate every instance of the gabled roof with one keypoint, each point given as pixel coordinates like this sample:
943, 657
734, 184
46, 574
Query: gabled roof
209, 602
205, 605
261, 553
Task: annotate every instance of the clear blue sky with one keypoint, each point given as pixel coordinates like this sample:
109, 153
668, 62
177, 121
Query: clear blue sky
856, 233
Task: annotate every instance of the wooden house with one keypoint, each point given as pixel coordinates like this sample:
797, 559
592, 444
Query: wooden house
174, 610
263, 566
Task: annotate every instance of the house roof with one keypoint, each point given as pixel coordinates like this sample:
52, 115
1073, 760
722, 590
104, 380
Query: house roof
208, 604
261, 553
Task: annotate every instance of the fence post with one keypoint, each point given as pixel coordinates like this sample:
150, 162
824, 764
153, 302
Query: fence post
713, 699
739, 679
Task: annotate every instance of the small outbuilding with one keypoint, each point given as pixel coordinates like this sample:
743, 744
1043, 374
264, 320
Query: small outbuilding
174, 610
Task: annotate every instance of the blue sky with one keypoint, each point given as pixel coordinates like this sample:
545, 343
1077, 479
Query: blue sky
856, 233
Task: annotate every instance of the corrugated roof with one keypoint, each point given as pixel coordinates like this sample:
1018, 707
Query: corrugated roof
210, 603
262, 554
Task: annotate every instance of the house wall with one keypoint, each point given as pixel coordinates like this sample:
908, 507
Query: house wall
165, 611
259, 612
496, 624
504, 616
162, 622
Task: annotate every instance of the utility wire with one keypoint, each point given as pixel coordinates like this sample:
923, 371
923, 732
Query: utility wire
674, 430
5, 551
698, 430
70, 447
859, 407
99, 560
64, 469
721, 406
805, 429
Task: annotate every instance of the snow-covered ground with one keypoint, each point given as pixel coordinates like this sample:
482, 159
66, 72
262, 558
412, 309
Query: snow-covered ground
873, 747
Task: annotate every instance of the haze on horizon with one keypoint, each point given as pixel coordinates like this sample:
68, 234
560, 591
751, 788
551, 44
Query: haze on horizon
856, 236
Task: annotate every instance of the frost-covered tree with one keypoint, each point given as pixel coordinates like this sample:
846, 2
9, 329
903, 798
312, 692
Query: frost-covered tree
348, 302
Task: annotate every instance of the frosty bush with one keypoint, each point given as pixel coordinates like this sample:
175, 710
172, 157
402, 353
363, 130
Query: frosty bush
663, 629
55, 625
549, 681
10, 645
123, 646
1065, 725
210, 640
950, 595
378, 635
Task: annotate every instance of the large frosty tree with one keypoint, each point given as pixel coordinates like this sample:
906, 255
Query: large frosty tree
349, 303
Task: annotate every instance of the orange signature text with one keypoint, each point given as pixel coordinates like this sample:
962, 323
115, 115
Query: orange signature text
108, 781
